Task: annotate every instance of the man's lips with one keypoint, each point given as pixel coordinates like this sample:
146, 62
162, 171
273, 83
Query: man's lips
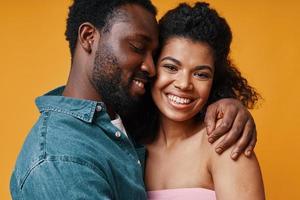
141, 80
139, 83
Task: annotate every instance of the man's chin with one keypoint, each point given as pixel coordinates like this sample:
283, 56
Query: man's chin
127, 106
136, 99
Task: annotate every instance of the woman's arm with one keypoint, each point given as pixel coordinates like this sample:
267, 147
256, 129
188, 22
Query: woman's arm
237, 180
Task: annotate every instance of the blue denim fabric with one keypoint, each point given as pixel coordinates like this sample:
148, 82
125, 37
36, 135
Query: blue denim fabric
74, 152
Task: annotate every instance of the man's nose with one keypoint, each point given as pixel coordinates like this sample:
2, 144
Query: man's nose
148, 65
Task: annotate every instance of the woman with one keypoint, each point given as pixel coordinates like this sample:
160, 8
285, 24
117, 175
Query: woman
193, 70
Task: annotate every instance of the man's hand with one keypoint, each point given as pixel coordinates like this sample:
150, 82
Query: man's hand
236, 123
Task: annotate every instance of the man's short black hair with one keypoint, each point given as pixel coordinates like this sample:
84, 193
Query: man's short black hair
97, 12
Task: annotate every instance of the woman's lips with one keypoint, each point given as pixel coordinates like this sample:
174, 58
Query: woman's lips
179, 100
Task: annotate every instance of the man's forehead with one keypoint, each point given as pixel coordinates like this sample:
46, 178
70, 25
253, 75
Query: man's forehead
141, 23
133, 31
134, 14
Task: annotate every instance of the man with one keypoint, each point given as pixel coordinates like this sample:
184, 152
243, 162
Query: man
79, 148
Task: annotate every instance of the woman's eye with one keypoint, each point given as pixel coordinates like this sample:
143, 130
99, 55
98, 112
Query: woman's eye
170, 68
202, 75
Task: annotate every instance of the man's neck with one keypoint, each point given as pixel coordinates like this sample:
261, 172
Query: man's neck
80, 86
80, 91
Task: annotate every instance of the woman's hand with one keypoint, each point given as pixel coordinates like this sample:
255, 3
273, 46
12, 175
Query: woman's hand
230, 118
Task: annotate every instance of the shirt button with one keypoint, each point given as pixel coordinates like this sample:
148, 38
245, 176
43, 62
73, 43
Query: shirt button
118, 134
139, 162
98, 108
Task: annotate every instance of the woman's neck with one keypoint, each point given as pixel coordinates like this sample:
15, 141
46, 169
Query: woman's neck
173, 132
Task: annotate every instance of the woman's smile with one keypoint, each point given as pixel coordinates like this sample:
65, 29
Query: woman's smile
184, 78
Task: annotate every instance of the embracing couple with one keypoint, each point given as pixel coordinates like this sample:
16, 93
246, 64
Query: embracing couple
142, 109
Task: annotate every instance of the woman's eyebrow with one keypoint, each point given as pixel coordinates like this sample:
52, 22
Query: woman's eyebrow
200, 67
172, 59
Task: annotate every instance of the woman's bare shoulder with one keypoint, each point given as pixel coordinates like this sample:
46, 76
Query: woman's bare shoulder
240, 179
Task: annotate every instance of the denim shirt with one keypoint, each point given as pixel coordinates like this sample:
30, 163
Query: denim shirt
74, 152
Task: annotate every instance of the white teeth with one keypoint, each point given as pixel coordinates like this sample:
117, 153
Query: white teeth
139, 83
179, 100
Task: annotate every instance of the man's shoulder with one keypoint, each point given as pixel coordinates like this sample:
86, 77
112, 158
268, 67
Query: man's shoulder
60, 138
57, 174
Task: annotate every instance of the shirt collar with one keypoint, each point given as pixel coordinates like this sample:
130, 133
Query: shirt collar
79, 108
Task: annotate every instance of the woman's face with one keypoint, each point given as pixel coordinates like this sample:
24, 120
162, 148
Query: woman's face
184, 78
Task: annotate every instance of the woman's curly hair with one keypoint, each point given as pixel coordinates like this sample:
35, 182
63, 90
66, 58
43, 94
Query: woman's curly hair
200, 23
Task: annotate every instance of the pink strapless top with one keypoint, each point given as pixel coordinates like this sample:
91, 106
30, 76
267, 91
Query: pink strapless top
182, 194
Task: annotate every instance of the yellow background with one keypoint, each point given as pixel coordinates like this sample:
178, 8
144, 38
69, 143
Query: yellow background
34, 58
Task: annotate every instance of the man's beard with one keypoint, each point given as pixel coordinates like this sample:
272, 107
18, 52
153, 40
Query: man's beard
107, 78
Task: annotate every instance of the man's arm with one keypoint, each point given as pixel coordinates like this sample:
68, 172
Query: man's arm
65, 180
236, 123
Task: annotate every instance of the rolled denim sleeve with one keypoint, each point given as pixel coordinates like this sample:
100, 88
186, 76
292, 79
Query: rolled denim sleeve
65, 180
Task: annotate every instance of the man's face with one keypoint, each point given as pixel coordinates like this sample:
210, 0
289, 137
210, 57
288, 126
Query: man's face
124, 59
